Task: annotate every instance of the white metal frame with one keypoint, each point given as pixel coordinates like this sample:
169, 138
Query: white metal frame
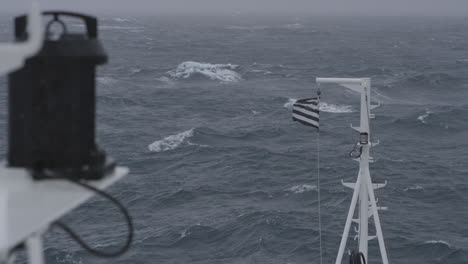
29, 207
363, 188
13, 55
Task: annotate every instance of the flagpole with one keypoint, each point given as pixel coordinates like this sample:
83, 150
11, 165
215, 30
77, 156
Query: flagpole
318, 195
318, 180
306, 112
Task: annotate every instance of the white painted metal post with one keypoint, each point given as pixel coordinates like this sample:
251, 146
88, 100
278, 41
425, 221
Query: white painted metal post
349, 220
364, 203
35, 249
378, 227
364, 169
3, 220
363, 188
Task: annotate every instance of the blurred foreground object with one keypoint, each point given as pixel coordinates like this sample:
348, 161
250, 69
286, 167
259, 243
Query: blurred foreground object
52, 148
52, 102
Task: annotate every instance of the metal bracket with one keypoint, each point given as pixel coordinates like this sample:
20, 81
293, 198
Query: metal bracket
348, 184
374, 106
374, 185
379, 185
358, 129
373, 144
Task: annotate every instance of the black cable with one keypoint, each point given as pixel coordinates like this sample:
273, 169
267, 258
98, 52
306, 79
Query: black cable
80, 241
357, 258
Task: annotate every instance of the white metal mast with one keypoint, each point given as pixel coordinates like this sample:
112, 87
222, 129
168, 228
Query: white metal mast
363, 188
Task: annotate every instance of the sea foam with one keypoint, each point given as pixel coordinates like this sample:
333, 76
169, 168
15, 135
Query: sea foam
218, 72
118, 19
423, 117
171, 142
324, 107
302, 188
106, 80
414, 188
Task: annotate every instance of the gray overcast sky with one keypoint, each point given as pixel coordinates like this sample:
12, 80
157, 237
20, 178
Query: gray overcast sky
371, 7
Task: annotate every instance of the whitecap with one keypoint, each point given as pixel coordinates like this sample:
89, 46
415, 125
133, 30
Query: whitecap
423, 117
264, 72
106, 80
294, 26
414, 188
441, 242
302, 188
171, 142
111, 27
332, 108
135, 70
118, 19
247, 27
289, 103
219, 72
324, 107
255, 112
108, 27
164, 79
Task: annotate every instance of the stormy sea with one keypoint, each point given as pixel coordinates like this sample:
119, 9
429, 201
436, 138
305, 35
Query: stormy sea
199, 109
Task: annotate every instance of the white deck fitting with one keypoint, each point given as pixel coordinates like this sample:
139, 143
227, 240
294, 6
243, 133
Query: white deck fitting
28, 207
13, 55
363, 188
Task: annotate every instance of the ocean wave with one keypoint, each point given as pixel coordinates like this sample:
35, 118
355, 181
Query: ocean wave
263, 69
171, 142
118, 19
108, 27
135, 70
106, 80
332, 108
302, 188
433, 79
423, 117
247, 27
446, 117
218, 72
325, 107
165, 79
112, 27
293, 26
67, 257
462, 61
438, 242
264, 72
414, 188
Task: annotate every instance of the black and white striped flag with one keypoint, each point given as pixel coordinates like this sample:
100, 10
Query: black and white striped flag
306, 112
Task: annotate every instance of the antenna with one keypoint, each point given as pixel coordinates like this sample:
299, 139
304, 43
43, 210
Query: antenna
363, 188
